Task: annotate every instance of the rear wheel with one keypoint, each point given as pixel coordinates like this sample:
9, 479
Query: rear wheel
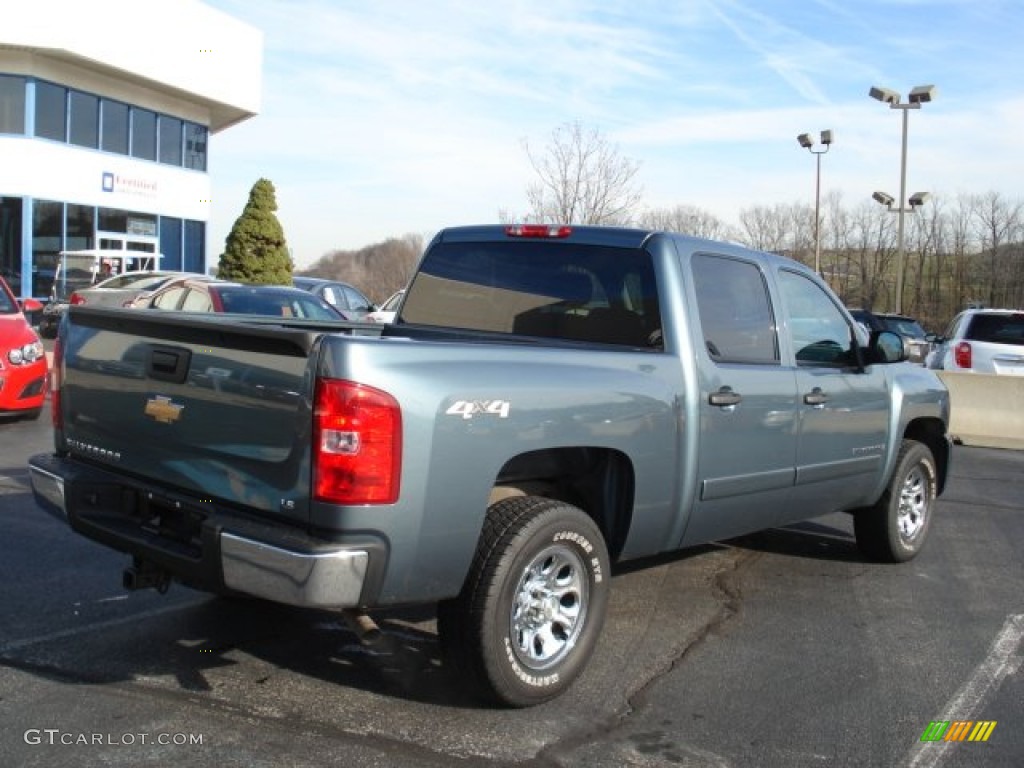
529, 615
895, 528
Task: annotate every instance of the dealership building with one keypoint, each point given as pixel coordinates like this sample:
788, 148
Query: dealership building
106, 113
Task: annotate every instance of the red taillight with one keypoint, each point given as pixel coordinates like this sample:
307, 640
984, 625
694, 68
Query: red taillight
537, 230
56, 417
962, 355
76, 299
357, 449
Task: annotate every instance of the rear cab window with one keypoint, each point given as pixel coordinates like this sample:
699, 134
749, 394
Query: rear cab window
550, 290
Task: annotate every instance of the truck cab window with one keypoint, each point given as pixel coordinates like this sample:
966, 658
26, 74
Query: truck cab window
735, 313
819, 332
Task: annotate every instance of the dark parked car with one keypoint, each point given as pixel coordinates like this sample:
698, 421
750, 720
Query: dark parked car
907, 327
207, 295
347, 298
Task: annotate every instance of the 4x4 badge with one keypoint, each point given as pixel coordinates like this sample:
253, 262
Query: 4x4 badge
163, 409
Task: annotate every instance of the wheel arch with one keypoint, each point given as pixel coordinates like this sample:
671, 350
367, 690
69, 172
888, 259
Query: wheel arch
932, 432
598, 480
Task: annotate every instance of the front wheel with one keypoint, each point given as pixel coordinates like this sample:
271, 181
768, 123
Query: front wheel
895, 528
529, 615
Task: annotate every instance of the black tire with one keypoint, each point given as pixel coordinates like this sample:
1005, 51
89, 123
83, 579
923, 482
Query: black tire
895, 528
529, 615
47, 329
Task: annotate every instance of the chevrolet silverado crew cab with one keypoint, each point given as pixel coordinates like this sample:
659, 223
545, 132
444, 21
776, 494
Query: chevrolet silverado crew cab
549, 402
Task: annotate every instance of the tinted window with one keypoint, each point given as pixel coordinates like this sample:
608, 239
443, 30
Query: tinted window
84, 127
904, 326
168, 299
143, 134
997, 329
297, 304
356, 301
51, 111
819, 332
331, 296
114, 134
538, 288
195, 147
735, 312
7, 304
170, 140
197, 301
12, 104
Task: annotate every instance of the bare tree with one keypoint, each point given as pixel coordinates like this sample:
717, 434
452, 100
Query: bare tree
688, 220
771, 228
582, 179
378, 270
998, 221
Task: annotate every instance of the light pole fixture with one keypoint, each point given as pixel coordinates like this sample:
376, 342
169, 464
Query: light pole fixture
807, 143
921, 94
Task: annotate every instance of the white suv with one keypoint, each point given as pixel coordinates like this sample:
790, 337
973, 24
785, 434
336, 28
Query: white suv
982, 341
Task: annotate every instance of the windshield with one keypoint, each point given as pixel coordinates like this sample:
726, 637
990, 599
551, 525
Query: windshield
7, 304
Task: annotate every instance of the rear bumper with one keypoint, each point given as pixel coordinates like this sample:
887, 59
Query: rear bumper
200, 545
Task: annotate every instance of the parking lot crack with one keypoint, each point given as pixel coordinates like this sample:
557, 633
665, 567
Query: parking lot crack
725, 586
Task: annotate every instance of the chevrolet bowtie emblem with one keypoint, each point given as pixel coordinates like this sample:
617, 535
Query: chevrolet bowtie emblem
163, 410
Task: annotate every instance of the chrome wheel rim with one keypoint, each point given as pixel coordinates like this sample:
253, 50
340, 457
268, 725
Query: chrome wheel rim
549, 607
913, 510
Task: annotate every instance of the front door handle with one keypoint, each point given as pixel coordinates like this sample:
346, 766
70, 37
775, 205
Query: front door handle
725, 397
816, 397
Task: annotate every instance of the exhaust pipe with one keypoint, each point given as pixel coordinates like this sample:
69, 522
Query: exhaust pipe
144, 575
366, 629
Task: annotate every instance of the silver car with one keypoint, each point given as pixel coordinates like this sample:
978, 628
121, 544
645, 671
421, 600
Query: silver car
121, 290
982, 341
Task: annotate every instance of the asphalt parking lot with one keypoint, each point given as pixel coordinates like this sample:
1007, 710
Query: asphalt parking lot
779, 649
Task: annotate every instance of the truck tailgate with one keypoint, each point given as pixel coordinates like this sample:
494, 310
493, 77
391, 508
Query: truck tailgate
219, 407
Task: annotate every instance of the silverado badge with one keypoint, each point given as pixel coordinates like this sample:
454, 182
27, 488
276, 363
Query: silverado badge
163, 410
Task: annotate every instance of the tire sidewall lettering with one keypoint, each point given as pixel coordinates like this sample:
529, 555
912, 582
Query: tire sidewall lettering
534, 681
590, 556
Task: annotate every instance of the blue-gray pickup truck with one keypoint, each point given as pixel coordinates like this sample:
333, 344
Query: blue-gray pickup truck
550, 401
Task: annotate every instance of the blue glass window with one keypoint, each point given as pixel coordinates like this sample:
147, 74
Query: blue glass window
115, 127
84, 127
170, 140
12, 104
143, 133
51, 111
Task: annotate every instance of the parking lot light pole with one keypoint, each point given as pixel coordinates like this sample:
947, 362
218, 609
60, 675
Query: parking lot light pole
807, 143
918, 96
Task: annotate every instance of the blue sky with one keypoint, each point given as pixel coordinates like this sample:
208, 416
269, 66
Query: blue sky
402, 116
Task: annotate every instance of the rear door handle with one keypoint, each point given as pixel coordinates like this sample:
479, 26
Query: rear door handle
725, 397
816, 397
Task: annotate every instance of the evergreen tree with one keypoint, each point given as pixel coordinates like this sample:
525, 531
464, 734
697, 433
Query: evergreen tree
255, 250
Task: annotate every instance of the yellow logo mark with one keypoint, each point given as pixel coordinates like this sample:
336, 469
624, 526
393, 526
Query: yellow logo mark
163, 410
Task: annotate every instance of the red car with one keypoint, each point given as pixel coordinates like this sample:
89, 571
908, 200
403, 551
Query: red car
23, 365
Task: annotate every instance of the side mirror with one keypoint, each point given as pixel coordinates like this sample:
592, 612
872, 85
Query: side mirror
887, 347
30, 305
